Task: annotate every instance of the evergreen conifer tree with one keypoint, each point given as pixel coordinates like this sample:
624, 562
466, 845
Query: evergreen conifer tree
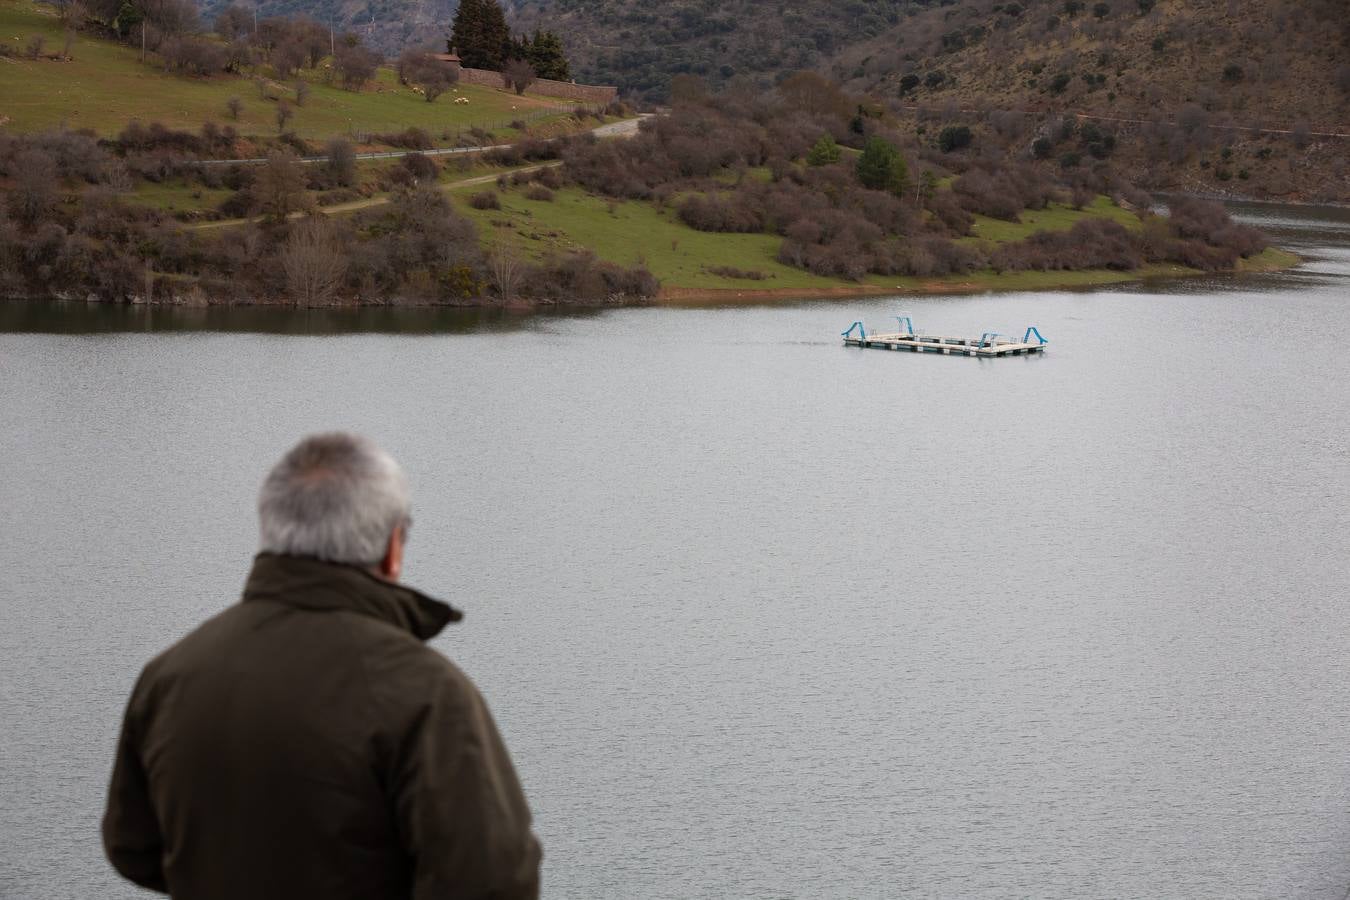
479, 34
882, 168
546, 55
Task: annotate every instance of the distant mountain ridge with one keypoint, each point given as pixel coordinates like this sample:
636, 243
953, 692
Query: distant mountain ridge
1254, 61
640, 46
388, 26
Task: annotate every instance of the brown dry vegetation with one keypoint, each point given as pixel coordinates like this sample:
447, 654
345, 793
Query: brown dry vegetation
1200, 72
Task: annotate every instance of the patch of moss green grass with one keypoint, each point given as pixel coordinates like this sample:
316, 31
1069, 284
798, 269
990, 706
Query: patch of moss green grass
177, 196
632, 232
1055, 217
104, 86
1271, 259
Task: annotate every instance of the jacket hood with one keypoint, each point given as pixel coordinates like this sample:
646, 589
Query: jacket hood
309, 583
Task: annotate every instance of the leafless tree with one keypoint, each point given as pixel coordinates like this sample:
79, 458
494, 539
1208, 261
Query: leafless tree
233, 22
314, 261
519, 75
35, 45
355, 65
506, 270
432, 76
301, 92
288, 57
71, 13
341, 164
35, 186
279, 186
284, 114
235, 106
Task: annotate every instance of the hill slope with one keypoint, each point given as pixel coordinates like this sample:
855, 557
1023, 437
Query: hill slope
103, 86
1252, 60
640, 46
388, 26
1224, 96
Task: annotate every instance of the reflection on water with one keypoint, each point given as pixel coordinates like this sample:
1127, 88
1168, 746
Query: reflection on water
60, 317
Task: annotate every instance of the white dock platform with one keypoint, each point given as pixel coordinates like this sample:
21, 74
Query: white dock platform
932, 343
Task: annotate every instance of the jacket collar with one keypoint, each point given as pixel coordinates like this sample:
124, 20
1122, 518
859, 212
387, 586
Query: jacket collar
309, 583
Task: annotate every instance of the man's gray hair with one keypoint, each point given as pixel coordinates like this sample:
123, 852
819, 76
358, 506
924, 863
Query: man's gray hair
336, 497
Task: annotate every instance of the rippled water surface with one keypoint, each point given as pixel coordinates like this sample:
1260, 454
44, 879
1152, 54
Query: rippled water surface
760, 616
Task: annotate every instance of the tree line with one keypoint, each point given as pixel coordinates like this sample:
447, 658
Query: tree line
480, 36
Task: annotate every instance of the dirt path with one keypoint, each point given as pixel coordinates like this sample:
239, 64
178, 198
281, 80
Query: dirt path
338, 209
622, 128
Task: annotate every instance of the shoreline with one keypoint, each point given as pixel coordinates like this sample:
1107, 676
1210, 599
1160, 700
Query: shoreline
1276, 259
1273, 259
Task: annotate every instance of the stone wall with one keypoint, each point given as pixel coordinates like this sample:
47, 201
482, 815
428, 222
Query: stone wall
543, 87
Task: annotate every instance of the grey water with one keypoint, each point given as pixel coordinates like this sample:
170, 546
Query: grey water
759, 616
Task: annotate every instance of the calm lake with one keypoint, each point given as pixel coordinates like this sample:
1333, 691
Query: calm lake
759, 616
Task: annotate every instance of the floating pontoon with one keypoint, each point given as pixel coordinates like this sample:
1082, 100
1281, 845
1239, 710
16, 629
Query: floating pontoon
988, 344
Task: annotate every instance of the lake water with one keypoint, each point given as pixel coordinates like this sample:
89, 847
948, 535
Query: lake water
760, 616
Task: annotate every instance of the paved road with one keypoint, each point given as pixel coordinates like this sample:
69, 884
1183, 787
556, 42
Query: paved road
624, 128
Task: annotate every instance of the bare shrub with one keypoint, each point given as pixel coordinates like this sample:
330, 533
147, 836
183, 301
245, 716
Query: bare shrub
581, 278
341, 163
35, 186
733, 272
1207, 221
485, 200
431, 76
407, 139
518, 75
506, 270
420, 167
1089, 244
279, 186
314, 261
355, 65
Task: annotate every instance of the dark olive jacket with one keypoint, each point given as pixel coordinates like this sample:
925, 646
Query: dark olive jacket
307, 743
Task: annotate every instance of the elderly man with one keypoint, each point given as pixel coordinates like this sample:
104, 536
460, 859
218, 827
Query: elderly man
306, 742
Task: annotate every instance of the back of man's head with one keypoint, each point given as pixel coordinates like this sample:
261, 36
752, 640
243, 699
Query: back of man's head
336, 497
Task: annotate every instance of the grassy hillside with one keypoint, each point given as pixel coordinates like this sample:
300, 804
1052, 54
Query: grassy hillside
104, 86
691, 262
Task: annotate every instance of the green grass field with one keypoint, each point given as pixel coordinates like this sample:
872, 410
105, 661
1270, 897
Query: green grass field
1055, 217
631, 232
105, 86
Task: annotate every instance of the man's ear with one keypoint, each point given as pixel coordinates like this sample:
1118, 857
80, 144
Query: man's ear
391, 566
